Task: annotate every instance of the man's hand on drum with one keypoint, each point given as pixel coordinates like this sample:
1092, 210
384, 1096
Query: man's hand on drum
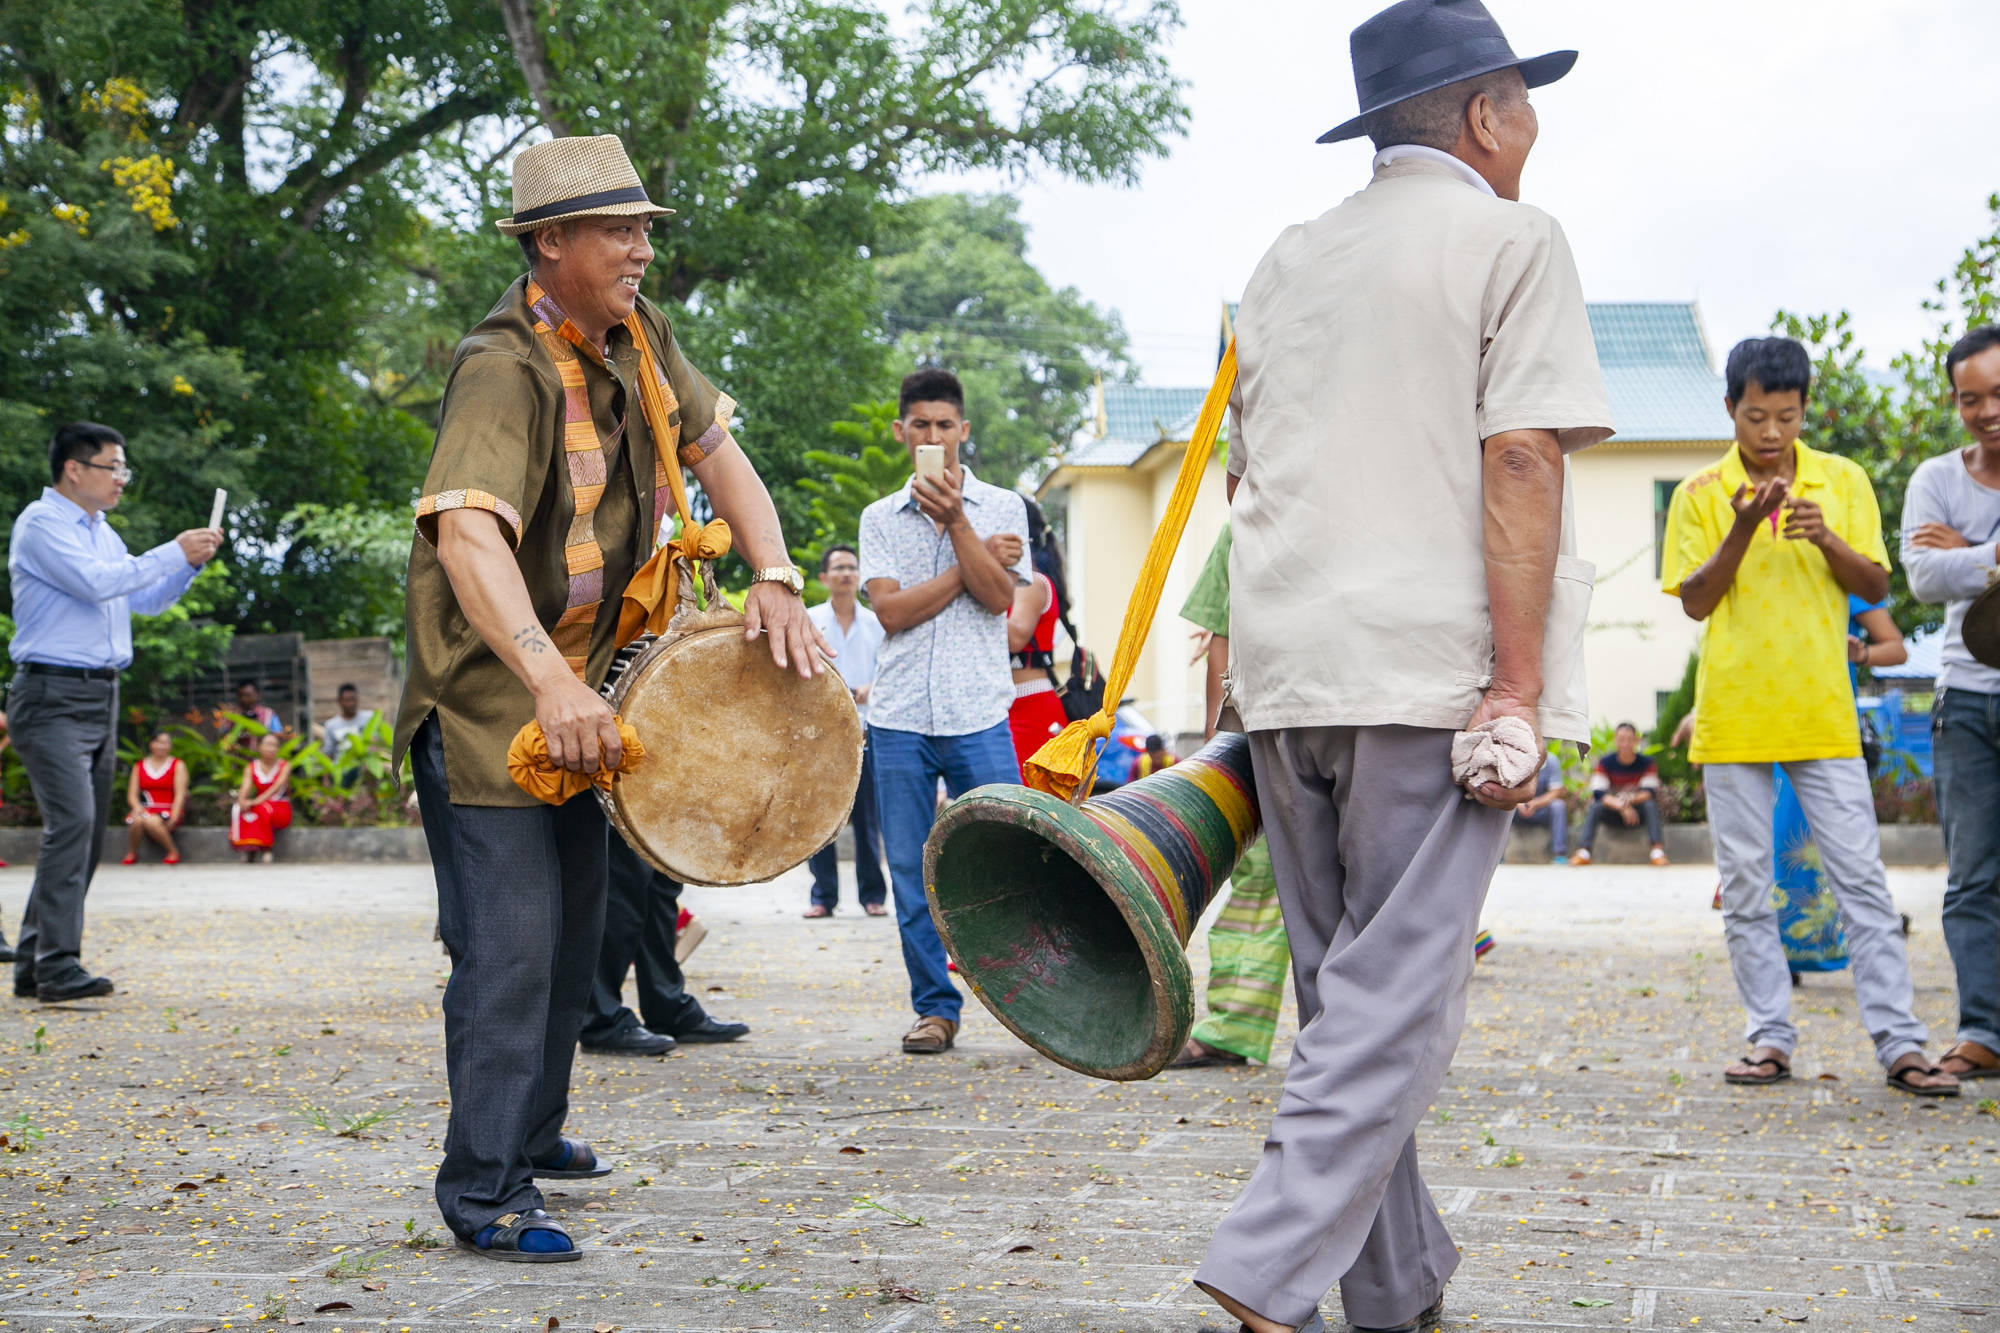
772, 608
582, 734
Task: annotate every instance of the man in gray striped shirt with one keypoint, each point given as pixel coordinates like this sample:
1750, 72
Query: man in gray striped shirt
1951, 547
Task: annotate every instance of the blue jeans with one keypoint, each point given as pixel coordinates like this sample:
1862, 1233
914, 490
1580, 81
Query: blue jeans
907, 768
1965, 745
1649, 815
1556, 819
869, 886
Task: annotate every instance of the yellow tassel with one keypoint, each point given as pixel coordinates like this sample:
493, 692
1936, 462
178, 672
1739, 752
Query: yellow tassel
649, 598
648, 603
1066, 767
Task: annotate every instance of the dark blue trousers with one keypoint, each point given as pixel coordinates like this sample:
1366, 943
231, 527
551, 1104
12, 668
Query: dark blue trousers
521, 910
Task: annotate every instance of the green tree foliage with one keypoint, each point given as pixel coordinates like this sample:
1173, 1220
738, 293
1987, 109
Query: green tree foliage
958, 291
786, 133
168, 647
870, 465
1890, 427
250, 235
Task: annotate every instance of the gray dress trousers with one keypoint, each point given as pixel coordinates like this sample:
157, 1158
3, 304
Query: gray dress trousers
1382, 867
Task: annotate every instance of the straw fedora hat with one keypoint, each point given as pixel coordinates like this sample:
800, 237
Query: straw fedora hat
585, 176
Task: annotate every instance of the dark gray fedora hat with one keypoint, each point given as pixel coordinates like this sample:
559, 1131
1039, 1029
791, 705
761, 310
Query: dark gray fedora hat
1417, 46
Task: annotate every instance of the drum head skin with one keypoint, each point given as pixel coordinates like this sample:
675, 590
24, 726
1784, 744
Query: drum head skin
749, 769
1982, 626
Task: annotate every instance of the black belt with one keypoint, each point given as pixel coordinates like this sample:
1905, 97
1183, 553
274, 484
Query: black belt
70, 672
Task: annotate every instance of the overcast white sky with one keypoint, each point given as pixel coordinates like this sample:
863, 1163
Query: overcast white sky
1749, 154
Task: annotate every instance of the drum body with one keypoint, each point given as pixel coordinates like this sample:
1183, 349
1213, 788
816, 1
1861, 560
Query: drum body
1982, 626
749, 769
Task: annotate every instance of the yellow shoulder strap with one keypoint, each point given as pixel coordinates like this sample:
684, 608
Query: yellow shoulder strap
1066, 767
649, 598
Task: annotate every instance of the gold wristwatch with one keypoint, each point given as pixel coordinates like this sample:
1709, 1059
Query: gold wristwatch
788, 575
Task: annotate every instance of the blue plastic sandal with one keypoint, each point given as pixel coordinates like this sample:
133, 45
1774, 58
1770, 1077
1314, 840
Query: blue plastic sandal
532, 1237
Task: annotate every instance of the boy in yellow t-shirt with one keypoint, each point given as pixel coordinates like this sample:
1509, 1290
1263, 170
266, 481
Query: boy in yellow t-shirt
1766, 546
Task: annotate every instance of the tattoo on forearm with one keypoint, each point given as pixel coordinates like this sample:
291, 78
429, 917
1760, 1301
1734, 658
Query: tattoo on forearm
532, 640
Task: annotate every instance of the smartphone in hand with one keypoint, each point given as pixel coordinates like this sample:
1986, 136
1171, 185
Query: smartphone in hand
930, 462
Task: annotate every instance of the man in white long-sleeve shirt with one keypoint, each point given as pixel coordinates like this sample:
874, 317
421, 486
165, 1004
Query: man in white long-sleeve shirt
75, 588
1951, 547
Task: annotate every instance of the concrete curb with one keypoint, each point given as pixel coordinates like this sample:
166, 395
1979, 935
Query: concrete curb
1690, 844
211, 845
1687, 844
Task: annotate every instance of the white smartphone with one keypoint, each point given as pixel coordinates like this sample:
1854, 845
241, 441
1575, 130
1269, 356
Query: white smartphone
930, 462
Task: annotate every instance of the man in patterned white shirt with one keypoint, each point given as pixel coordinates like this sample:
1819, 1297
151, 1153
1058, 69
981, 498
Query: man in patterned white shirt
940, 561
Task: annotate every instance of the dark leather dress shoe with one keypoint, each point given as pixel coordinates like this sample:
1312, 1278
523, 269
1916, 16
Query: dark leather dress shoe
82, 987
24, 987
633, 1040
708, 1030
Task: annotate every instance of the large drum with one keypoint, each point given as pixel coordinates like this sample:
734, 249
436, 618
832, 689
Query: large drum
749, 769
1982, 626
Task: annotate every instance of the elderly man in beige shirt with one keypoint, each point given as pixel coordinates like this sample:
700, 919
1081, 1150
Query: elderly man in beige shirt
1415, 365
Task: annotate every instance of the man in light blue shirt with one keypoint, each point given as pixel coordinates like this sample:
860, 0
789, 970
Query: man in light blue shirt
856, 636
75, 588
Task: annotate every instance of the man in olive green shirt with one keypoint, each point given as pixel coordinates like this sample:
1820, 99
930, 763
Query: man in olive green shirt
545, 493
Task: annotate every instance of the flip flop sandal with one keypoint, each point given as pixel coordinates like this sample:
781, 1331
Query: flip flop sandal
1780, 1071
1900, 1081
577, 1162
504, 1237
1975, 1069
1205, 1057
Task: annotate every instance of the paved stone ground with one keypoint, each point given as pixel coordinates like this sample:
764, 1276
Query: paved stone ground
1595, 1169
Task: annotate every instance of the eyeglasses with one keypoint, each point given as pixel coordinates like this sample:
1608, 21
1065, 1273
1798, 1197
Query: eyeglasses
118, 471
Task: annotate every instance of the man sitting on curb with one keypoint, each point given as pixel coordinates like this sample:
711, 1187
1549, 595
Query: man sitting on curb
1549, 806
1627, 784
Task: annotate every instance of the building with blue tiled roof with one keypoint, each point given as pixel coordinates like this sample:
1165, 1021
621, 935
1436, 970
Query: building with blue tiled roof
1111, 486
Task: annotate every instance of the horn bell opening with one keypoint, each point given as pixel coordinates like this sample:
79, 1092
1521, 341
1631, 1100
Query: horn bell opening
1057, 934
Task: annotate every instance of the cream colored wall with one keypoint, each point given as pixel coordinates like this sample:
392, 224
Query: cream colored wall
1165, 688
1106, 536
1639, 639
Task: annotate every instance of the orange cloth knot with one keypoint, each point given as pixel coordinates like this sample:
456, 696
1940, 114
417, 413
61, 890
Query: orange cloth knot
649, 600
528, 763
1066, 767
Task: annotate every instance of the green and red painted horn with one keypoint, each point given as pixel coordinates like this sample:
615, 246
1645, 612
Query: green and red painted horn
1071, 923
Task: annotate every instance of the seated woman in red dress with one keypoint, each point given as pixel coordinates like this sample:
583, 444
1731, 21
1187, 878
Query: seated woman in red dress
261, 807
157, 794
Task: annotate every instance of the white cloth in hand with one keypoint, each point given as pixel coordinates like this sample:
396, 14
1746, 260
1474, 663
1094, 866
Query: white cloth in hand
1505, 751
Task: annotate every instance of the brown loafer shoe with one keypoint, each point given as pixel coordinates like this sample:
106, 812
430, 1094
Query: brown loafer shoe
932, 1035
